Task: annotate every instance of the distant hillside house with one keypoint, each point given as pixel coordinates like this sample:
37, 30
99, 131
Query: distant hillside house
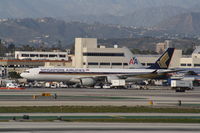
161, 47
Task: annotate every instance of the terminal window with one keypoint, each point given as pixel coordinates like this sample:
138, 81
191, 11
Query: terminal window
25, 55
116, 64
92, 63
33, 55
52, 55
104, 64
197, 65
103, 54
183, 64
125, 64
62, 56
43, 55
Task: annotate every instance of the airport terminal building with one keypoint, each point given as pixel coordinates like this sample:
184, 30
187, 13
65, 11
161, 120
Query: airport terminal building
179, 60
89, 54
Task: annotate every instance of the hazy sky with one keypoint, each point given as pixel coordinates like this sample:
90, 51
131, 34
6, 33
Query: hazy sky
59, 8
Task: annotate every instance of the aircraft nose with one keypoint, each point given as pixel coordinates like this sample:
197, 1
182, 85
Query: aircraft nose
23, 75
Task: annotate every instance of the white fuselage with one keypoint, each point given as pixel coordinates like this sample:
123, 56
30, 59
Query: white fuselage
66, 74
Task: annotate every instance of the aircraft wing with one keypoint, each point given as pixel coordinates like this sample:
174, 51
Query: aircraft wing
155, 74
171, 71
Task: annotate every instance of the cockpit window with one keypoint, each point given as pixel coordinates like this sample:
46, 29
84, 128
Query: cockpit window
26, 71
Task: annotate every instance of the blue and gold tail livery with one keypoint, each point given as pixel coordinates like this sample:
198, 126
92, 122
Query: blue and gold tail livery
164, 61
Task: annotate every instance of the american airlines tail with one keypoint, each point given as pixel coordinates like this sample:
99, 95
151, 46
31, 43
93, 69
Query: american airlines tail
164, 61
132, 61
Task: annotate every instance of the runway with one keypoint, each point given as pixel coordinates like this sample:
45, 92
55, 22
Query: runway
98, 97
34, 127
91, 116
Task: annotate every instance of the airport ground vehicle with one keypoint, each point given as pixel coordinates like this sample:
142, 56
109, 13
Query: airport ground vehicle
52, 85
12, 85
107, 86
181, 85
97, 87
47, 85
118, 83
63, 85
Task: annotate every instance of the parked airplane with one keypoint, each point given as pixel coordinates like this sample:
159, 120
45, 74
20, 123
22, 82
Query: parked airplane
192, 74
90, 76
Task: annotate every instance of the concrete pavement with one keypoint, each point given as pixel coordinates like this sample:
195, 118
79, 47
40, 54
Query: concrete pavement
96, 127
98, 97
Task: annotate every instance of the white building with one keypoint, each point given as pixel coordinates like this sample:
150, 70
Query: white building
178, 61
161, 47
90, 55
41, 55
147, 60
192, 61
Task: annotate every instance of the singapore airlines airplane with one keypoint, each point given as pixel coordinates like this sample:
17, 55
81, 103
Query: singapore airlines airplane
90, 76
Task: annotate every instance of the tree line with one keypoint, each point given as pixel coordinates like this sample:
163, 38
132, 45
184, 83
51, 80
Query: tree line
6, 47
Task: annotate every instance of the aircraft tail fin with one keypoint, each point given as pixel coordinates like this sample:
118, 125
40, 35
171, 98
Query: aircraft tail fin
132, 60
164, 61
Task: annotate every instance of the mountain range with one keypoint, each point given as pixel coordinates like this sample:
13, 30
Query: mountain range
50, 31
187, 23
51, 21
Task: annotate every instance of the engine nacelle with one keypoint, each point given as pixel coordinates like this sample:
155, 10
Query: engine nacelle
109, 78
88, 82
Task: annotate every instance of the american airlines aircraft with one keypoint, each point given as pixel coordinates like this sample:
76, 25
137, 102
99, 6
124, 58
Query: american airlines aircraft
90, 76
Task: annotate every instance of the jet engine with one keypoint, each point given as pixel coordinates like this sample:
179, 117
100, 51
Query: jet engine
83, 81
87, 82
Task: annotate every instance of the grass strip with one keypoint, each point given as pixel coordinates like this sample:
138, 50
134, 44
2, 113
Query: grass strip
138, 120
96, 109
